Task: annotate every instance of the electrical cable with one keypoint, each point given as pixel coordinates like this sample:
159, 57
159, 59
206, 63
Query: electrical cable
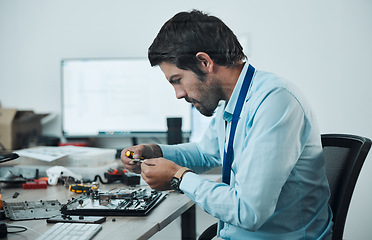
23, 228
98, 177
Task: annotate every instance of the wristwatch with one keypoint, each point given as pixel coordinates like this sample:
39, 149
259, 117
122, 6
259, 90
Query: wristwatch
177, 178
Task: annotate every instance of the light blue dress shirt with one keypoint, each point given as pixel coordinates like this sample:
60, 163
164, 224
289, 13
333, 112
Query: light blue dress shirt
278, 187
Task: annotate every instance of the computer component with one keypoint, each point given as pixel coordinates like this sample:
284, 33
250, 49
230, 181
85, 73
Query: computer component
121, 202
81, 231
28, 210
76, 219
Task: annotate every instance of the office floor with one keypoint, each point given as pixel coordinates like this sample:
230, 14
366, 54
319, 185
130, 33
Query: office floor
173, 230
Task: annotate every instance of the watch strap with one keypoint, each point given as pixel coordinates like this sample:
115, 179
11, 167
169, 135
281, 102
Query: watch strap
179, 174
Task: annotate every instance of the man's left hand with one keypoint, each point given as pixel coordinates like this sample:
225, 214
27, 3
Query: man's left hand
158, 173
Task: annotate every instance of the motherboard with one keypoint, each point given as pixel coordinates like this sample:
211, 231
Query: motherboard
117, 202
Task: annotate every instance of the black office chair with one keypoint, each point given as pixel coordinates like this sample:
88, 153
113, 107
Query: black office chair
344, 156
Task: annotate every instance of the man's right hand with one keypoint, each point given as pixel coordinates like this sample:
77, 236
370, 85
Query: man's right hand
143, 151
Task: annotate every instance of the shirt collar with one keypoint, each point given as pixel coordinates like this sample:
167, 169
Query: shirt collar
229, 109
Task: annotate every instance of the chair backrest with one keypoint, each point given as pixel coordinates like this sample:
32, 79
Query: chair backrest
344, 156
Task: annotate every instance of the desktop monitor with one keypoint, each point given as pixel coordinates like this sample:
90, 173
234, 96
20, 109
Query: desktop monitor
102, 97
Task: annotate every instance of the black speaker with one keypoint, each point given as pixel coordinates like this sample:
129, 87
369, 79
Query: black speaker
174, 130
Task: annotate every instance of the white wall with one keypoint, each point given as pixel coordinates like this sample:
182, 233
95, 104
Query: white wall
324, 46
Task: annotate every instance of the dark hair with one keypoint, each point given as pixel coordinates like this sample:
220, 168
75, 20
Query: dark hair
186, 34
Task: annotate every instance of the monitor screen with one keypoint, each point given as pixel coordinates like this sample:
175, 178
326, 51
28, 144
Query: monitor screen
117, 97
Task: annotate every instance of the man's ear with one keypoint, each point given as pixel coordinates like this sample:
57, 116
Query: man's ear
205, 62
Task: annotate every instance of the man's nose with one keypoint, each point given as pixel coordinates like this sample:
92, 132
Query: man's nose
180, 92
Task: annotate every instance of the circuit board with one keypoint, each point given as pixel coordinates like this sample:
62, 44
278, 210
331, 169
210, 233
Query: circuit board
120, 202
28, 210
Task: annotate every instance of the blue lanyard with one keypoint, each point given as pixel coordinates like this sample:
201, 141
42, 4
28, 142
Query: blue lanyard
228, 156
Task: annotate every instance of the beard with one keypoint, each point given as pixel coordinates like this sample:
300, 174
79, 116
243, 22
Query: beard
210, 95
205, 109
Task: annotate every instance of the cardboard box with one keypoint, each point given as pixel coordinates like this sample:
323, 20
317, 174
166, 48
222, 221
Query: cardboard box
18, 128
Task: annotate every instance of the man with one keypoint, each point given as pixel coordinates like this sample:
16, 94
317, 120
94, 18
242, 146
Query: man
264, 133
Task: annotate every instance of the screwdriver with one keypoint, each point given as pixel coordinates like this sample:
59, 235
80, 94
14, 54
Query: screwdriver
80, 188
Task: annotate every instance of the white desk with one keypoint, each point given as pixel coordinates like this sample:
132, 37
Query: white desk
143, 227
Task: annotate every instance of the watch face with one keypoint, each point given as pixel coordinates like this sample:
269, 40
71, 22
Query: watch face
175, 184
